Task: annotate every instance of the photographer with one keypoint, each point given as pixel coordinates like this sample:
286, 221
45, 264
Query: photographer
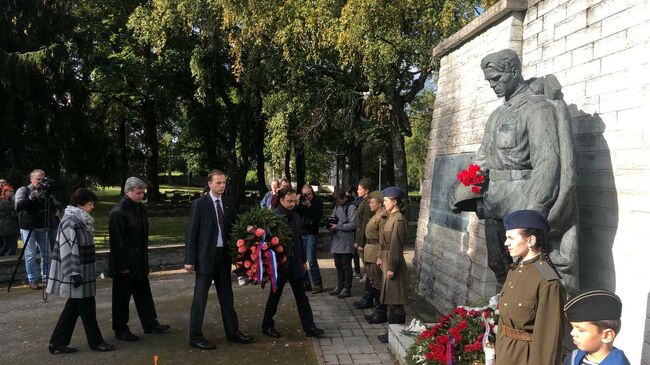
342, 225
310, 209
37, 213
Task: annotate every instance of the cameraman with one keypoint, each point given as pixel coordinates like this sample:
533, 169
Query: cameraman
310, 209
37, 212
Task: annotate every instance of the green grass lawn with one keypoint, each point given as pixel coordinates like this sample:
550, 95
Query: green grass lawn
161, 229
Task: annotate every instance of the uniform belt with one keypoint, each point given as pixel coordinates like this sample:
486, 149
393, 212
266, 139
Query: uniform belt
510, 175
516, 334
372, 241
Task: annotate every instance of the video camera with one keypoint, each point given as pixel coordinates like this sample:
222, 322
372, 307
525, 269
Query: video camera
45, 185
328, 222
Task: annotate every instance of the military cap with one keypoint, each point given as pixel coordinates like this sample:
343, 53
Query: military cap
375, 195
393, 192
593, 305
526, 219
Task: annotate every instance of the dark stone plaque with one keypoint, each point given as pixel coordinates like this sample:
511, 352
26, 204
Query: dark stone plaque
445, 169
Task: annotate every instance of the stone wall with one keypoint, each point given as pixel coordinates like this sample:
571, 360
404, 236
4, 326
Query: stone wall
600, 52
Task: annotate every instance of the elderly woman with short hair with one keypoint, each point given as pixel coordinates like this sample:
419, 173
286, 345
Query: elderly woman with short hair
72, 274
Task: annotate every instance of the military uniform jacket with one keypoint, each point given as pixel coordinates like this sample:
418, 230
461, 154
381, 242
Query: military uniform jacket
521, 153
392, 239
532, 300
371, 249
362, 216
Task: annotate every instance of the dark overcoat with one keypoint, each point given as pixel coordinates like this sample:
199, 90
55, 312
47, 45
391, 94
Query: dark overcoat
128, 229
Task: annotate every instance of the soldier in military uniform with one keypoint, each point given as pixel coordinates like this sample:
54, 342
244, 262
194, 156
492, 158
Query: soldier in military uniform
392, 239
531, 303
527, 155
362, 216
371, 254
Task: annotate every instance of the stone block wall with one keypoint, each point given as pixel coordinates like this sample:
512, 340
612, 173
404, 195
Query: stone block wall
600, 52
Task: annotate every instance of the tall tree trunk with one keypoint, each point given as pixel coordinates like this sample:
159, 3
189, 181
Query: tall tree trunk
259, 158
389, 167
151, 152
300, 165
287, 164
124, 156
399, 159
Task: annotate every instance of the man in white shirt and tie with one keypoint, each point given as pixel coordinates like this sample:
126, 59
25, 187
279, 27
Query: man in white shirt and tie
207, 254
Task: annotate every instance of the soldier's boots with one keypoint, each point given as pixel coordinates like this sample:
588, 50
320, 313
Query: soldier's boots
379, 315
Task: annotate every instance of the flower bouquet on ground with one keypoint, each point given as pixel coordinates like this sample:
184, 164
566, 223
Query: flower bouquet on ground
261, 242
474, 177
466, 336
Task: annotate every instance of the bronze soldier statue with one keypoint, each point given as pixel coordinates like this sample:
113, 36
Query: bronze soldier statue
528, 158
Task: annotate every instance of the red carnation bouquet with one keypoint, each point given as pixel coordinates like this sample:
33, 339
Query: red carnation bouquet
473, 177
259, 254
462, 337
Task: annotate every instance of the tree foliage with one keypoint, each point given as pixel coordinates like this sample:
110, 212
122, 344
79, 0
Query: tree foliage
97, 90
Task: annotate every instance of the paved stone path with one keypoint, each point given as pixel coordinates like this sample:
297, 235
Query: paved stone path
348, 338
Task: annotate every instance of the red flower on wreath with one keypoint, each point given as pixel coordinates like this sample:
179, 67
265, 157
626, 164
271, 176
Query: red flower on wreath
275, 241
259, 232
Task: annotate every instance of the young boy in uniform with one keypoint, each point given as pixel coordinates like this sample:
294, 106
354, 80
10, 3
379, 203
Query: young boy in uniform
596, 319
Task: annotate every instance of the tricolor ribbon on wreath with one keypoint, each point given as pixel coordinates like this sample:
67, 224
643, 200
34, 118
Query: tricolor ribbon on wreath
271, 262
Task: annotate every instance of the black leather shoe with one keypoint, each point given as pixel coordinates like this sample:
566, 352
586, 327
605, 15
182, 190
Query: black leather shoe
335, 291
203, 345
364, 303
314, 332
378, 317
344, 293
127, 336
157, 328
104, 347
240, 337
383, 338
271, 332
61, 349
362, 299
307, 288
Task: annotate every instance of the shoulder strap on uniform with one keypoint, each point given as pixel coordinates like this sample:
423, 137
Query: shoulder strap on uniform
547, 272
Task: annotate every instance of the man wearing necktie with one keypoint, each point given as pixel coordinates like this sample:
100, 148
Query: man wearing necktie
207, 254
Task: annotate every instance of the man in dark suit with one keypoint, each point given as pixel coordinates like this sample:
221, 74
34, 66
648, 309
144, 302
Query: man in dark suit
207, 253
293, 272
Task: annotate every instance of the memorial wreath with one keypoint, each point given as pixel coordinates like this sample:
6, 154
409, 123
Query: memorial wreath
466, 336
261, 242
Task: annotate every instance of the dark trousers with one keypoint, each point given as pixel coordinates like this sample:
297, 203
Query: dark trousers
8, 245
74, 308
125, 286
222, 283
357, 263
302, 302
498, 257
343, 263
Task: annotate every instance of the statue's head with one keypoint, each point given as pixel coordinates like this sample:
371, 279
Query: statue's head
503, 71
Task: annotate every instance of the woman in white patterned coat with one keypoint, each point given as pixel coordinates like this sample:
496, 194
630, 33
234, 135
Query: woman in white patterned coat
72, 274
